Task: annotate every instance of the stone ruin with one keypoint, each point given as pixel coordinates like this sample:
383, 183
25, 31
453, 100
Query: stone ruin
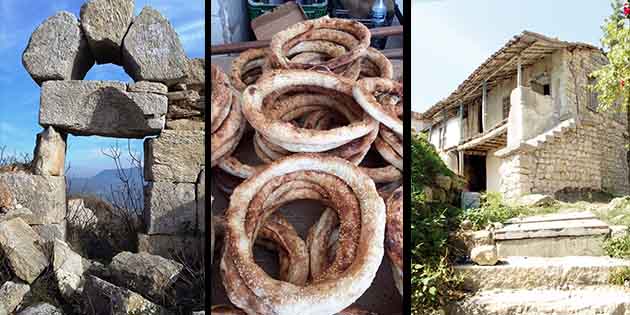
166, 99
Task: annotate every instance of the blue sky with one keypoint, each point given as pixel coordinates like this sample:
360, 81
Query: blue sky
451, 38
19, 95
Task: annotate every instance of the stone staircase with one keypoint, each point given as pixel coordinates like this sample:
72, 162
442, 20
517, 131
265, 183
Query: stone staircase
551, 264
553, 133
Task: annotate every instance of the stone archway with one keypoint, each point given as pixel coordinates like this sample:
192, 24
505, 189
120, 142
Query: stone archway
165, 100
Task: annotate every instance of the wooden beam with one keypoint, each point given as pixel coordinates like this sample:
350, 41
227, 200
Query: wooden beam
461, 122
484, 105
460, 162
243, 46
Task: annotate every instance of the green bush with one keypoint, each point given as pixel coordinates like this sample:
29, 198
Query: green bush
494, 209
425, 163
618, 247
432, 279
620, 277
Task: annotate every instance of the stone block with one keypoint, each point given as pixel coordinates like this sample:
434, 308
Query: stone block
174, 156
152, 50
103, 108
69, 268
105, 23
484, 255
58, 50
170, 208
201, 202
23, 249
550, 229
590, 245
50, 153
114, 300
45, 196
185, 124
149, 275
41, 309
518, 272
11, 295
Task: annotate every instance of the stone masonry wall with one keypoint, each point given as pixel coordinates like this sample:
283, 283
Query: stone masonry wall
590, 154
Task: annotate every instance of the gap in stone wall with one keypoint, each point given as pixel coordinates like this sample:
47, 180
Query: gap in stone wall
90, 171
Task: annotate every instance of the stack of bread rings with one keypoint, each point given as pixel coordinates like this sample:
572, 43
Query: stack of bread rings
319, 110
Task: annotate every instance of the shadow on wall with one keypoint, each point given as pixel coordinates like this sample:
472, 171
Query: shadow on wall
115, 110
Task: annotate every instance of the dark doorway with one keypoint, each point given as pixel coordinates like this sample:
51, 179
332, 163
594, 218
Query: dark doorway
475, 172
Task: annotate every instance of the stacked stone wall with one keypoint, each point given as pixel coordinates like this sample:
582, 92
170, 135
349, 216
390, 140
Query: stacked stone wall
589, 155
165, 100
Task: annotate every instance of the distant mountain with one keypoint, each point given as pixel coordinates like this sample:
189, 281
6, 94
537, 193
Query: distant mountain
104, 182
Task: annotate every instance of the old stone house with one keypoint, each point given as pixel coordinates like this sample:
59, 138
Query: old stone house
525, 121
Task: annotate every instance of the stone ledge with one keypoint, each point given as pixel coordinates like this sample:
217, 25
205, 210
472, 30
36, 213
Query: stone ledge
101, 108
174, 156
518, 272
557, 228
589, 300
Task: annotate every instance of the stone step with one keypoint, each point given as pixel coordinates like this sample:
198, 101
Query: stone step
582, 301
518, 272
559, 228
553, 217
567, 234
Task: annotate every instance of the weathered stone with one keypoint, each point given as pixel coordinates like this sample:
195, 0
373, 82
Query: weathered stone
148, 87
57, 50
45, 196
483, 238
196, 74
114, 300
50, 232
517, 272
201, 201
79, 215
584, 215
536, 200
174, 156
152, 50
149, 275
22, 247
169, 208
50, 153
7, 201
588, 245
69, 268
11, 295
105, 23
619, 231
542, 301
103, 108
170, 246
187, 104
185, 124
19, 212
41, 309
443, 182
556, 228
484, 255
